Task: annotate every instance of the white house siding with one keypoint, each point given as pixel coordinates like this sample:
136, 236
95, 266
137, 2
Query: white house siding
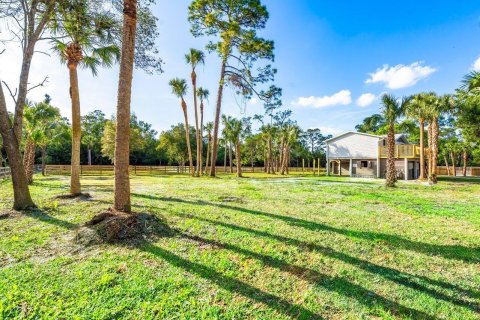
353, 146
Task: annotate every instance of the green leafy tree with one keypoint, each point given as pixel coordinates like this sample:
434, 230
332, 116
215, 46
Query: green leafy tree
234, 26
174, 143
136, 140
371, 124
92, 128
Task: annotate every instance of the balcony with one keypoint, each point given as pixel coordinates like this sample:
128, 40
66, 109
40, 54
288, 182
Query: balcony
403, 151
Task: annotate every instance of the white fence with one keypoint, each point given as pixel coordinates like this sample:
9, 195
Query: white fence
5, 173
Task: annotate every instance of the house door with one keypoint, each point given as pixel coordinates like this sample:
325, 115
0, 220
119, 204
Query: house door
354, 168
411, 170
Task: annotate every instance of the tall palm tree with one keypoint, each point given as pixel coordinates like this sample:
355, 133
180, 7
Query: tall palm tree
179, 88
392, 110
194, 58
85, 39
202, 94
438, 107
417, 109
208, 128
122, 136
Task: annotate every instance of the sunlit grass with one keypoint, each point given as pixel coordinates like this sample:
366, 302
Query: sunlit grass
258, 247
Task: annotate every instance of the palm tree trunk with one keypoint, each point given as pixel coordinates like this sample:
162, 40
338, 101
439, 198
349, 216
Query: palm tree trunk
44, 161
197, 130
391, 174
208, 151
75, 187
29, 160
430, 150
187, 136
224, 158
200, 159
122, 137
238, 159
445, 159
454, 167
465, 160
217, 117
89, 156
422, 149
21, 194
435, 136
230, 162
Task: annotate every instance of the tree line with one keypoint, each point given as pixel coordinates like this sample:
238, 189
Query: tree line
93, 34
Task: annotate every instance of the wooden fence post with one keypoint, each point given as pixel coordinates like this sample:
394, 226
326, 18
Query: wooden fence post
303, 165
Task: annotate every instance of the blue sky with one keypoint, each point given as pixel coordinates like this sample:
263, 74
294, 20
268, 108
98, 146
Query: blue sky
328, 55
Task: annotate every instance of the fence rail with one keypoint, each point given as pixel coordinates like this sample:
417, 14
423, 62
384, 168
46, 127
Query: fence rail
5, 173
157, 170
471, 171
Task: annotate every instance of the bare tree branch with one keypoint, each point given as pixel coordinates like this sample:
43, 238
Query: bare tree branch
13, 95
41, 84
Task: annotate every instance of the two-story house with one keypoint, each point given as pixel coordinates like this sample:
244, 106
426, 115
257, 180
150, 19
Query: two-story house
358, 154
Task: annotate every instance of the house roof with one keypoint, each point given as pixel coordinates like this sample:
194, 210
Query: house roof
352, 132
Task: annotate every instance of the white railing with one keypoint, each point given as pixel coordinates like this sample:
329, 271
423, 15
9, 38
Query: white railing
5, 173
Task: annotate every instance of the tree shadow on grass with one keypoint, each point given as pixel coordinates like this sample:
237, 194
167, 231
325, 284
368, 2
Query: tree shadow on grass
43, 216
232, 284
339, 285
456, 252
408, 280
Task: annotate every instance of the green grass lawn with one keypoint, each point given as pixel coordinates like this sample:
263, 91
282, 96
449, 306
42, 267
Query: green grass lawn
251, 248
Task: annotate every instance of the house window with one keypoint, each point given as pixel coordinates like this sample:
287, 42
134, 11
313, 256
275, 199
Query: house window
363, 164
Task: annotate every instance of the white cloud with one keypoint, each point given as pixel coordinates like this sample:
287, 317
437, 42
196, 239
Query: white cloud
343, 97
476, 65
366, 99
331, 130
400, 76
254, 101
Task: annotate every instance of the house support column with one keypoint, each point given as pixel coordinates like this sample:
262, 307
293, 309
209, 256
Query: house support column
351, 168
378, 167
328, 162
406, 168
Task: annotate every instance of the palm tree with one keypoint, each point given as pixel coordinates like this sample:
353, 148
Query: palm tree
290, 135
122, 135
471, 81
438, 107
208, 128
392, 110
179, 88
238, 129
417, 109
194, 58
40, 119
203, 95
84, 39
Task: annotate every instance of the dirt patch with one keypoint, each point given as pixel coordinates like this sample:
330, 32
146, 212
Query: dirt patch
81, 196
114, 226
